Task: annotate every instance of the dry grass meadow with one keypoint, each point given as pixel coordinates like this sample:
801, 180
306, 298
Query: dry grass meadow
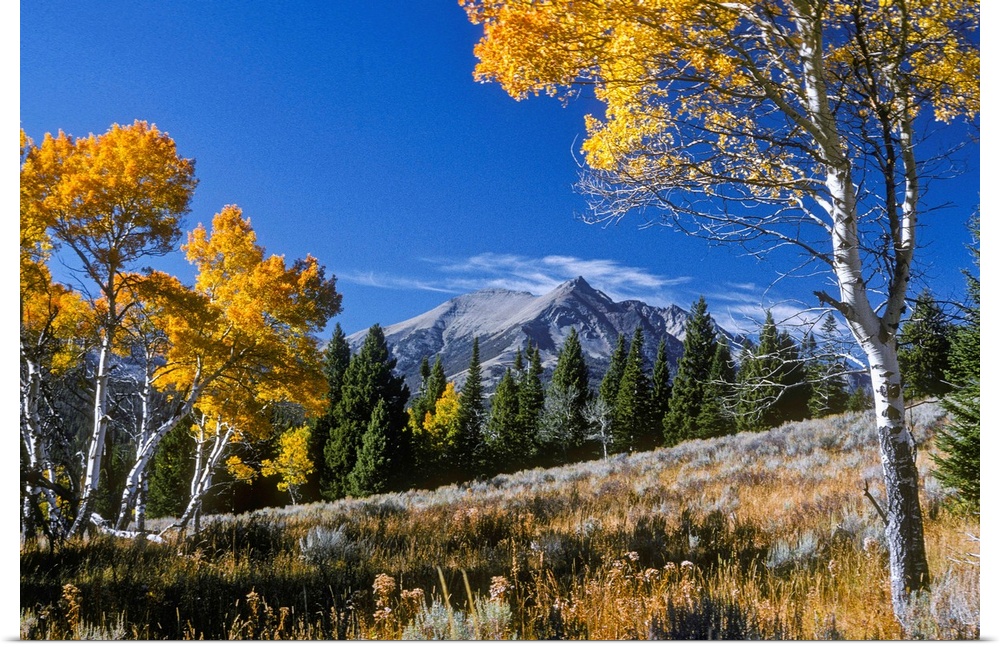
754, 536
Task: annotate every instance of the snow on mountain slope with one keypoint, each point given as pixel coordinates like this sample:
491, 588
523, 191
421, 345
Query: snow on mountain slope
505, 321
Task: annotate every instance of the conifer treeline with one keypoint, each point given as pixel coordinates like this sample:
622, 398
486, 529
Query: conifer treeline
370, 441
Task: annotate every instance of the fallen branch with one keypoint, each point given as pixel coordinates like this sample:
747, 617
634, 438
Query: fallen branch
102, 526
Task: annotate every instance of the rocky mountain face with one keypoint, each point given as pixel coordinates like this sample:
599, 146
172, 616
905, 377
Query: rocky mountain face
505, 321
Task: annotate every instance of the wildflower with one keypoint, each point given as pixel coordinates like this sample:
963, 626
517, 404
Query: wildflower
687, 566
499, 586
650, 574
414, 597
71, 598
632, 556
669, 568
384, 587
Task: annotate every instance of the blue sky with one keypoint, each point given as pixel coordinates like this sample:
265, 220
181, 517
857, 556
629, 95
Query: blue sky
355, 132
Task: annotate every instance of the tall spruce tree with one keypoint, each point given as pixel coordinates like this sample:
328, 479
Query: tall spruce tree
958, 458
924, 349
369, 378
693, 372
760, 381
570, 378
826, 372
510, 447
660, 402
793, 403
170, 474
531, 399
372, 471
716, 418
336, 358
613, 375
632, 419
469, 449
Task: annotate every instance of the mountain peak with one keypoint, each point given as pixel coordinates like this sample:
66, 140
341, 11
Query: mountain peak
506, 321
579, 288
579, 283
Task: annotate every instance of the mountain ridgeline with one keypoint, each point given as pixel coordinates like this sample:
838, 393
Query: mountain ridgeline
506, 321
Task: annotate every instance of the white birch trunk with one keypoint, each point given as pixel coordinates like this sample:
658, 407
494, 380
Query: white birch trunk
876, 335
150, 441
205, 466
39, 461
95, 449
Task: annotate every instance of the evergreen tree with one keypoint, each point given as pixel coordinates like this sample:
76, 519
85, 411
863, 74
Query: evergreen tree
693, 372
336, 358
957, 466
613, 376
467, 460
170, 474
531, 399
570, 379
425, 374
369, 378
760, 381
715, 418
860, 400
924, 349
826, 372
632, 419
518, 364
436, 383
660, 403
958, 463
793, 402
371, 473
510, 446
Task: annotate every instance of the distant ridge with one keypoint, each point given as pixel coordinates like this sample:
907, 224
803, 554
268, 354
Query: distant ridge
506, 320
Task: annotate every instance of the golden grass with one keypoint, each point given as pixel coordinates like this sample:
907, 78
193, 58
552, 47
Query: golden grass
750, 536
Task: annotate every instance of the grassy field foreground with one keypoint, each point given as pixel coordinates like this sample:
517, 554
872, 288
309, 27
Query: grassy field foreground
765, 535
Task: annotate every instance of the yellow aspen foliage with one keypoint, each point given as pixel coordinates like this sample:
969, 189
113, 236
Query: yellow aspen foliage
259, 315
441, 427
292, 463
700, 94
57, 324
112, 198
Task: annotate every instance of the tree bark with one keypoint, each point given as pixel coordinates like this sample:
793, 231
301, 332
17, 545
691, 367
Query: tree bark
908, 568
95, 450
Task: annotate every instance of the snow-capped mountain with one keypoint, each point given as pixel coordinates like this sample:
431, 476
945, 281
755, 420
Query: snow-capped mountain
505, 321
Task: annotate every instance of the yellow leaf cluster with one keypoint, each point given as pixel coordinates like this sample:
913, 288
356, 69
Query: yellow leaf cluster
440, 429
696, 92
57, 324
126, 188
240, 470
292, 463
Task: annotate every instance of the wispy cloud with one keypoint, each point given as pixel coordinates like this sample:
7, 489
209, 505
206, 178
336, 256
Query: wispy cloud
739, 307
378, 280
742, 307
537, 275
